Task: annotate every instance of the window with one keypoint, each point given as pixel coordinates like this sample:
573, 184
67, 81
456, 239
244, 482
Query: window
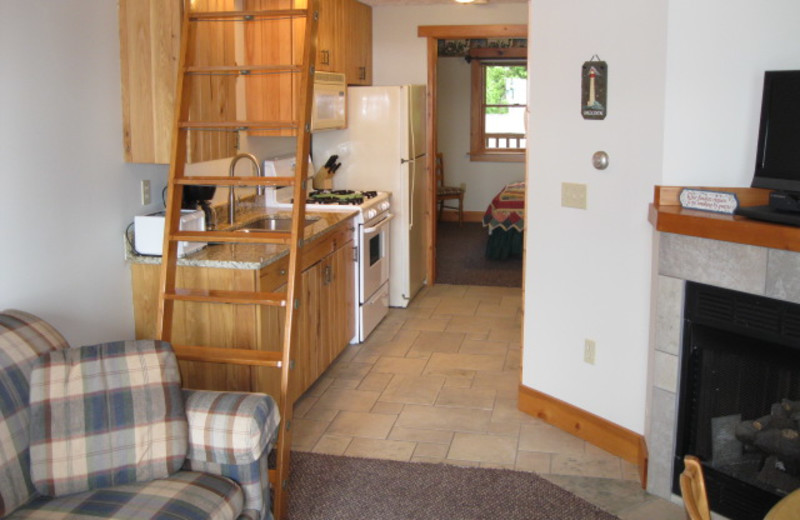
499, 102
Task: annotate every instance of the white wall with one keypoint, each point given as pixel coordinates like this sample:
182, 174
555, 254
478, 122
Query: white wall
483, 179
67, 196
718, 53
588, 271
684, 92
400, 56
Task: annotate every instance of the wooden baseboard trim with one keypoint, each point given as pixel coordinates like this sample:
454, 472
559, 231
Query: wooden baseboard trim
604, 434
469, 216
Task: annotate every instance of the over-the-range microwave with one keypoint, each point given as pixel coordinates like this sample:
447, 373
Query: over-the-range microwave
329, 107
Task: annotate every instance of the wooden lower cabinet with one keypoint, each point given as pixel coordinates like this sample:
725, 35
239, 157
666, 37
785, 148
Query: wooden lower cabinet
326, 317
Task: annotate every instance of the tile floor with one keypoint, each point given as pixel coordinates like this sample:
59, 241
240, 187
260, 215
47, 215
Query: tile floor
437, 382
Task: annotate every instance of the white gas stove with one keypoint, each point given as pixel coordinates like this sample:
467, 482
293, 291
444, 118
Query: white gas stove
372, 243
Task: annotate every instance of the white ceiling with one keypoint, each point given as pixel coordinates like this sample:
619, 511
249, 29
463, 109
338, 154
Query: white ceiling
434, 2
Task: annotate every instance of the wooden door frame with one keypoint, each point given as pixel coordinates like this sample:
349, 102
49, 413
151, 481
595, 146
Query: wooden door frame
434, 33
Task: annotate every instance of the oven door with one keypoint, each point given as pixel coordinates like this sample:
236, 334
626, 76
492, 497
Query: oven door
374, 261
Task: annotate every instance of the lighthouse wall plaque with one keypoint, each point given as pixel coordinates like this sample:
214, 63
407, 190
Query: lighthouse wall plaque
594, 84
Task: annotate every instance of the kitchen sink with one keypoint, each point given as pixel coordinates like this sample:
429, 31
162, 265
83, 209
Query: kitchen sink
273, 223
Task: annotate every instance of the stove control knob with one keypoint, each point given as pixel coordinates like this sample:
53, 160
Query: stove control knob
384, 205
371, 214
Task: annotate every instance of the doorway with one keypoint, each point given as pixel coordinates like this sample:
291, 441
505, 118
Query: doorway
480, 188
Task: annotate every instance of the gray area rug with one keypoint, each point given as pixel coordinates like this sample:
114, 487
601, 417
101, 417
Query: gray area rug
329, 487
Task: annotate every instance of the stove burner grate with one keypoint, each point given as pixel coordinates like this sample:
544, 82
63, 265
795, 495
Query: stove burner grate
341, 197
352, 201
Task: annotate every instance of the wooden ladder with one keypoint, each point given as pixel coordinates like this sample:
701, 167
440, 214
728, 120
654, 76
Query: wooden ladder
183, 126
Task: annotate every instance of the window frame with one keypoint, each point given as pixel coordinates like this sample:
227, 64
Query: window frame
478, 150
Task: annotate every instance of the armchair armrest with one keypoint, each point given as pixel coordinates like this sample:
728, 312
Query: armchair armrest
229, 427
230, 434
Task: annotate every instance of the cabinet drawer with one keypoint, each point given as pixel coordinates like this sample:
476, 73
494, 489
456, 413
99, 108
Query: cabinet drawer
274, 275
327, 244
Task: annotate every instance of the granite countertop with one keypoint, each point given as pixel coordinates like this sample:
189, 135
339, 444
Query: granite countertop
245, 256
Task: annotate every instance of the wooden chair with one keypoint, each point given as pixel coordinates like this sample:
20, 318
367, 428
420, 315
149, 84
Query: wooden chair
693, 489
444, 193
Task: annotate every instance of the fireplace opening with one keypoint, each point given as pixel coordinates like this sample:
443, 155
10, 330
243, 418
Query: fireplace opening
739, 398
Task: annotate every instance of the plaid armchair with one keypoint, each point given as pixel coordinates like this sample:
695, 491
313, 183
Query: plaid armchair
106, 431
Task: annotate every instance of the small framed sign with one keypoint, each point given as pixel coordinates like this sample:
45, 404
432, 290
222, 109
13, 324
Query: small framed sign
708, 200
594, 86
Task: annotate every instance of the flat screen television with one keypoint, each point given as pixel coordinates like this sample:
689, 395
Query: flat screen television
778, 151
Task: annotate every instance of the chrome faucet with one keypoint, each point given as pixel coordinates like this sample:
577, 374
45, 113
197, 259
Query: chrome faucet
231, 173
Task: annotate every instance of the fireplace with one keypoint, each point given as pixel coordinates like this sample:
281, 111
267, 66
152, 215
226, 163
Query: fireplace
739, 380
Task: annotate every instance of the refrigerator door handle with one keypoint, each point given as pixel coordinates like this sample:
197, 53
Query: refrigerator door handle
411, 199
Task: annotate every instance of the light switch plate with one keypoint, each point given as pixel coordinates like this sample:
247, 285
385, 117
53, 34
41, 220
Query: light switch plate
573, 195
589, 351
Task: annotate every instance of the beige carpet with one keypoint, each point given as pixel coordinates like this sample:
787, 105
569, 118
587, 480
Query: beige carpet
329, 487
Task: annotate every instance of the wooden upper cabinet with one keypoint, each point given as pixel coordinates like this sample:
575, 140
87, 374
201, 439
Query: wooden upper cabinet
150, 33
150, 53
344, 43
358, 30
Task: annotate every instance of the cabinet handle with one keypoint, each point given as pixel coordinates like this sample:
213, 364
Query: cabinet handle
355, 253
326, 57
362, 73
328, 276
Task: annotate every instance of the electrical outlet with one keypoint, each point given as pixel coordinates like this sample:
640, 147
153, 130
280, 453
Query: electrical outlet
573, 195
145, 192
589, 349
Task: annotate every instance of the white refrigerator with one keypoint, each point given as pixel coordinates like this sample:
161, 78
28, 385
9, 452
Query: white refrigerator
383, 149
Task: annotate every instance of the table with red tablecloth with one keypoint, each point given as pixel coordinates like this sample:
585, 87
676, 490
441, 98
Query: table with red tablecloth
505, 220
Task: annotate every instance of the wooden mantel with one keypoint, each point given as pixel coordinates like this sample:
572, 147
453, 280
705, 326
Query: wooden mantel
667, 215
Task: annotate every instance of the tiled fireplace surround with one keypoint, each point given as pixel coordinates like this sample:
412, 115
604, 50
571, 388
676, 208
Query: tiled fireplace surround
757, 270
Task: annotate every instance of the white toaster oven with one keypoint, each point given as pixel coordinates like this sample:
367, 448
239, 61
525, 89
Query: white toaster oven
149, 232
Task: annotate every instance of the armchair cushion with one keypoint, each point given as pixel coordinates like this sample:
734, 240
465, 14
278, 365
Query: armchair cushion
105, 415
185, 495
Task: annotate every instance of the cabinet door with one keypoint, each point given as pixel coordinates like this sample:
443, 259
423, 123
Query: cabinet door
149, 32
329, 311
271, 97
358, 43
213, 96
307, 368
337, 304
331, 36
343, 294
149, 37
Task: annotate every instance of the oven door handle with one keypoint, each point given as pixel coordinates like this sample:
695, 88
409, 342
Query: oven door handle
377, 226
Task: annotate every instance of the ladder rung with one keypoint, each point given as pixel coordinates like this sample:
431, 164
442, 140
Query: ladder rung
236, 126
235, 181
244, 69
234, 237
233, 297
201, 16
233, 356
